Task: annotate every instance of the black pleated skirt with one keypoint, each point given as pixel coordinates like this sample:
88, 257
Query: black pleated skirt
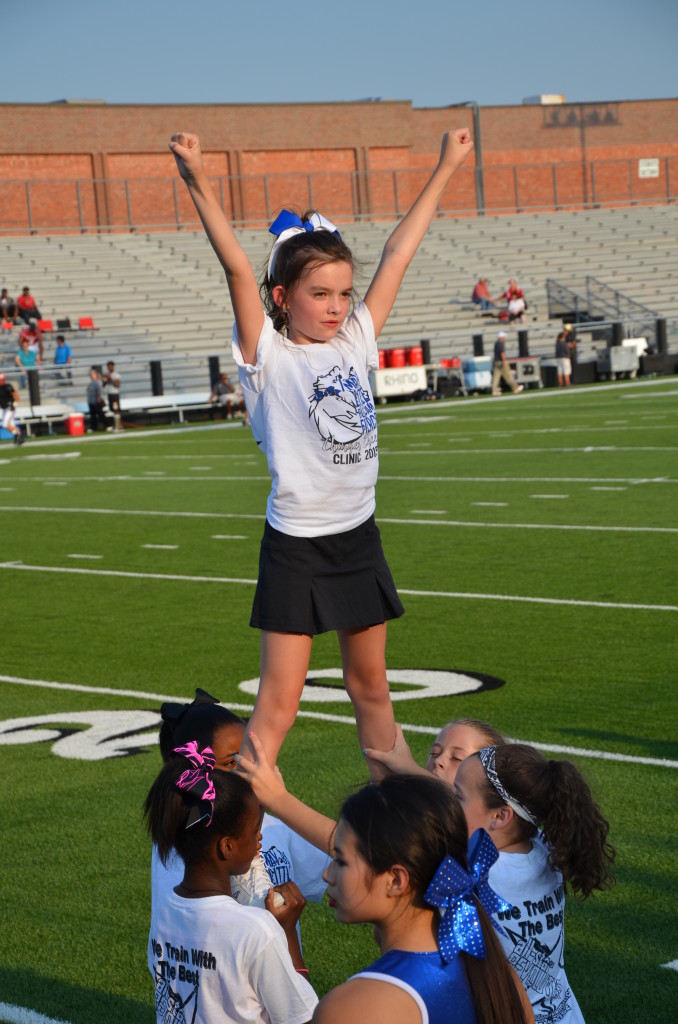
315, 584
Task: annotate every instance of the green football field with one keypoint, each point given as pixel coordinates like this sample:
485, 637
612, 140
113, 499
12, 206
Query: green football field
534, 543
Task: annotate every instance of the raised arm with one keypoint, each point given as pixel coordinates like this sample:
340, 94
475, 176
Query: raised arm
242, 284
405, 240
269, 789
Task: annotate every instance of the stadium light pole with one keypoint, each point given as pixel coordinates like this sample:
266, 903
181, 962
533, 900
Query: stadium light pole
477, 142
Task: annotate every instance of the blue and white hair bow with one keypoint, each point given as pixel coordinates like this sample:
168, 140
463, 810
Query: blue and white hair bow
287, 224
453, 889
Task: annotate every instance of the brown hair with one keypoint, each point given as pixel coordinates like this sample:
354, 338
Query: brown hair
558, 796
295, 257
488, 732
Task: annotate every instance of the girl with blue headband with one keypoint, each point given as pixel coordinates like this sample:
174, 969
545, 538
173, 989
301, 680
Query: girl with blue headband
303, 360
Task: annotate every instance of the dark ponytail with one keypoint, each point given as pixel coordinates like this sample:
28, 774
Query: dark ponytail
417, 821
167, 809
558, 796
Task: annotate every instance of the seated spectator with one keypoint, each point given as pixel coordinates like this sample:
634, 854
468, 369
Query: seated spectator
26, 359
34, 338
481, 296
8, 399
221, 389
26, 306
8, 309
63, 359
516, 309
512, 292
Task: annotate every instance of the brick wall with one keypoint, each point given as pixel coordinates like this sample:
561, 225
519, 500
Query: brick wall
262, 157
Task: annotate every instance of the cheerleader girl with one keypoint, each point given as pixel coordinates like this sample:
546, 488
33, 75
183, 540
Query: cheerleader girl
303, 361
513, 792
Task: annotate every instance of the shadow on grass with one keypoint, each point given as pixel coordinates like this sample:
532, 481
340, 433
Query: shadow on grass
646, 747
63, 1001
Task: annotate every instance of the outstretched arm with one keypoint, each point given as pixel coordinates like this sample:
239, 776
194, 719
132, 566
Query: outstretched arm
270, 791
405, 240
242, 284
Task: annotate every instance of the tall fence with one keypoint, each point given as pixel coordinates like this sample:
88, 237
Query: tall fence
133, 204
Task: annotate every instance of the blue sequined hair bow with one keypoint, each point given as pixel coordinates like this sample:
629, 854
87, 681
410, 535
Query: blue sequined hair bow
452, 891
198, 781
287, 224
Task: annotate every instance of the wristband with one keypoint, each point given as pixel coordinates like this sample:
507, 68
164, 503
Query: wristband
302, 970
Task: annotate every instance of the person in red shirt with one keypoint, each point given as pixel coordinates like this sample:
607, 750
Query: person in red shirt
33, 337
27, 307
481, 296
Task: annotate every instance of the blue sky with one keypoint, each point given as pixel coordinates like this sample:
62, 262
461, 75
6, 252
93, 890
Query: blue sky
433, 52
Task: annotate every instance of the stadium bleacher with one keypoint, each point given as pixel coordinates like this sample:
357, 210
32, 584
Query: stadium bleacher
162, 296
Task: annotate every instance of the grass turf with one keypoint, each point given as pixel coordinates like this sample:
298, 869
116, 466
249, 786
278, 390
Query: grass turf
563, 497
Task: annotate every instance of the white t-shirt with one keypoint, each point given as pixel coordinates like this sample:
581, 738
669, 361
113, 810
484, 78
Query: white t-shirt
289, 858
535, 933
208, 973
312, 414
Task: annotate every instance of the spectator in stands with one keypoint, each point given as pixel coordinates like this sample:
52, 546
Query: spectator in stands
563, 359
112, 386
571, 342
26, 306
95, 400
516, 309
34, 338
221, 389
8, 397
501, 368
480, 296
63, 358
8, 310
26, 359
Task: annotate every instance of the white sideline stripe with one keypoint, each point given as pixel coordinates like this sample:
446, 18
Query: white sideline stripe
161, 547
490, 504
229, 536
549, 497
85, 556
429, 730
401, 590
428, 511
609, 488
20, 1015
511, 479
382, 519
586, 449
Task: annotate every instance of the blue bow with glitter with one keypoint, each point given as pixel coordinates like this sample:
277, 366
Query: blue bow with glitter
453, 889
287, 224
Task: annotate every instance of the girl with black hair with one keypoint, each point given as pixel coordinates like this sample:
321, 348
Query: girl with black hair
399, 858
212, 960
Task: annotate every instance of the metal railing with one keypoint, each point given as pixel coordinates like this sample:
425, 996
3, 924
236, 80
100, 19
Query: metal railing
135, 204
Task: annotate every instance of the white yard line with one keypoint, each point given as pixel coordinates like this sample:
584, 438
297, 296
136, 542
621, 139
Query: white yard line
52, 510
452, 595
429, 730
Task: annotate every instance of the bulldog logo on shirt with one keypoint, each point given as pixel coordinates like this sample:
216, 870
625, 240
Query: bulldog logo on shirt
341, 407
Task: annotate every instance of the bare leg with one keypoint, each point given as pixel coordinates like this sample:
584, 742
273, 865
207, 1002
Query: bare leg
363, 659
284, 664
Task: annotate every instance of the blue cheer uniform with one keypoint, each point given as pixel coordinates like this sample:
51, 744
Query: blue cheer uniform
440, 990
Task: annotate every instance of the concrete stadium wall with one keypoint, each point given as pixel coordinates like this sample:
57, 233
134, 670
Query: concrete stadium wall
68, 164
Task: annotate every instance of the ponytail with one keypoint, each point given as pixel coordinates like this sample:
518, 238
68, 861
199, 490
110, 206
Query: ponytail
492, 982
558, 798
170, 821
